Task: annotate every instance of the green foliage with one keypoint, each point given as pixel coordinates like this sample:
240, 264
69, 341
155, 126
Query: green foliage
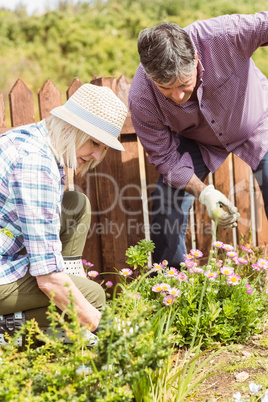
138, 255
207, 308
94, 38
120, 367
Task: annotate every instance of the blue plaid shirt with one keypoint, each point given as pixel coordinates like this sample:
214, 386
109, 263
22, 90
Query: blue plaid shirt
31, 189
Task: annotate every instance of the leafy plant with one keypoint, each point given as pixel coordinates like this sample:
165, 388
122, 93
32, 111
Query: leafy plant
138, 255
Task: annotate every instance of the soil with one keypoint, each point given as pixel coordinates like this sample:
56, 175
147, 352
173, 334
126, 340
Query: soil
236, 366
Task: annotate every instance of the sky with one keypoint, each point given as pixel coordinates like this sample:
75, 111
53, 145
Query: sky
32, 6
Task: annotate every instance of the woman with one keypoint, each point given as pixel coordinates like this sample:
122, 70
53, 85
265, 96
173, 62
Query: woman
34, 234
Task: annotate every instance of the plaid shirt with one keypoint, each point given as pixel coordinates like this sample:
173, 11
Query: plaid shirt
231, 113
31, 189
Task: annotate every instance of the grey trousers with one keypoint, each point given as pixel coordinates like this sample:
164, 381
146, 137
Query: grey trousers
25, 295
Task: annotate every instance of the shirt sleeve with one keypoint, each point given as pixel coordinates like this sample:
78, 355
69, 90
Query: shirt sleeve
36, 192
161, 144
246, 32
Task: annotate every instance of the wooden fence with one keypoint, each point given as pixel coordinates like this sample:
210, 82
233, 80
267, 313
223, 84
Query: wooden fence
119, 188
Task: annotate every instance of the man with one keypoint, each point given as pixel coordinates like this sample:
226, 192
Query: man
197, 96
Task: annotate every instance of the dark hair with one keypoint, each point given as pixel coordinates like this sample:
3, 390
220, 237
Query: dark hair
166, 53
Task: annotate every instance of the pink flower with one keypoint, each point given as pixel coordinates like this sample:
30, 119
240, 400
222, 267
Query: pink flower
231, 254
188, 256
228, 247
138, 296
249, 291
196, 253
247, 286
242, 261
227, 271
169, 299
217, 244
109, 284
233, 279
182, 276
262, 263
125, 272
92, 274
219, 263
165, 262
189, 264
174, 292
211, 275
87, 263
172, 271
165, 287
157, 267
249, 250
198, 270
157, 288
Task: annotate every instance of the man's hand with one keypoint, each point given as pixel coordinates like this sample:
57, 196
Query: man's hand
214, 201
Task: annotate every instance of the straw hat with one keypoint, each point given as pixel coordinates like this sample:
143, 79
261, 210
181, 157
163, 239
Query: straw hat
96, 111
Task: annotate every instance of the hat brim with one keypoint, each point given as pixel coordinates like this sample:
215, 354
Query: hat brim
95, 132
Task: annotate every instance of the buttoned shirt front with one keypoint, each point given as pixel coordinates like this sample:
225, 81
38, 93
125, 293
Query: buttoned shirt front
31, 189
231, 110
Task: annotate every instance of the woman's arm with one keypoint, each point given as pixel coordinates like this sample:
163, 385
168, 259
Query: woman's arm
55, 283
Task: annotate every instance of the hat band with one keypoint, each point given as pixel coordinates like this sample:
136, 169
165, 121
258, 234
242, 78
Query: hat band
92, 118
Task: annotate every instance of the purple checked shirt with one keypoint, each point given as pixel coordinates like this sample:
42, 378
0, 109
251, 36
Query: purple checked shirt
231, 113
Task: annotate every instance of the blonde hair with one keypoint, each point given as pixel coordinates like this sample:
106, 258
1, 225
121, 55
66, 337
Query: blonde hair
64, 140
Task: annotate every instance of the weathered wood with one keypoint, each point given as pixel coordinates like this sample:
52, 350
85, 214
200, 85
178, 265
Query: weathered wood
21, 104
48, 98
261, 220
110, 82
123, 87
242, 197
76, 83
222, 183
130, 195
2, 111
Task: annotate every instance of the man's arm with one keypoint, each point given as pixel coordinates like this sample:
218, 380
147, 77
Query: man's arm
56, 283
195, 186
219, 208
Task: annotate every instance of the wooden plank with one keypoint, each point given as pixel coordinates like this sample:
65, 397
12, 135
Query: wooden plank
222, 183
21, 104
110, 82
261, 220
242, 197
48, 98
130, 196
2, 111
123, 87
76, 83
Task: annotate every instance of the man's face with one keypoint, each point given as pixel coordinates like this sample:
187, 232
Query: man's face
181, 91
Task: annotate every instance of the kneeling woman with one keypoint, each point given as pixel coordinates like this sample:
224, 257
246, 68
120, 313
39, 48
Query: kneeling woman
40, 225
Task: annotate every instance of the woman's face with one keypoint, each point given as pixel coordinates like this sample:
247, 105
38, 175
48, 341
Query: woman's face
90, 150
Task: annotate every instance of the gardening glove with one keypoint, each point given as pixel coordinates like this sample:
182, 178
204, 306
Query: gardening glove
214, 201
